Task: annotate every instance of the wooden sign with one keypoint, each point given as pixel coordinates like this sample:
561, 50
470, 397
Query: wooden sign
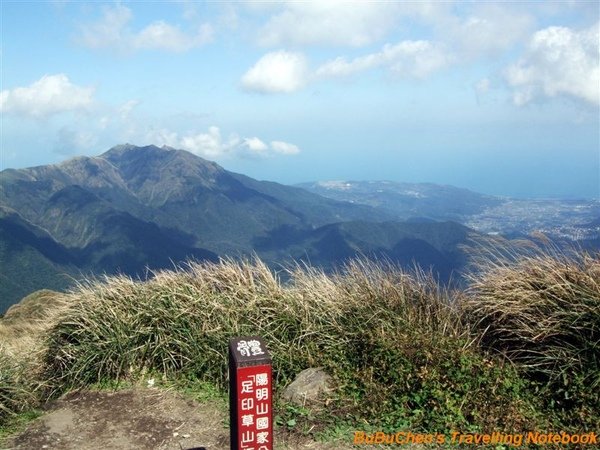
250, 394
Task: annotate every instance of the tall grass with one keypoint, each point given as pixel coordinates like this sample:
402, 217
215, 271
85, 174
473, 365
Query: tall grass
23, 331
181, 321
404, 351
17, 386
543, 313
394, 341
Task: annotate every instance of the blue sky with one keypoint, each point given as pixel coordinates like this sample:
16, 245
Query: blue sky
501, 98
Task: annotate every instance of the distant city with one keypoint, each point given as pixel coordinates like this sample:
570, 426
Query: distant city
576, 220
572, 219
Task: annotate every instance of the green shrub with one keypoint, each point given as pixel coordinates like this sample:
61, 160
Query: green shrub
543, 313
395, 342
17, 388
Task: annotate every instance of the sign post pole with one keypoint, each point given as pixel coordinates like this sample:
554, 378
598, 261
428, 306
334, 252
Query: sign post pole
250, 394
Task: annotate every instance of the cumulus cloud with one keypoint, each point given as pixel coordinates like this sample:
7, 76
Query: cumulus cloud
458, 35
277, 72
472, 29
212, 144
407, 58
51, 94
112, 32
109, 31
485, 30
332, 22
558, 61
284, 72
255, 145
161, 35
284, 148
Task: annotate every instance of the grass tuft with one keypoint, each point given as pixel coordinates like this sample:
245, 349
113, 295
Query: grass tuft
518, 350
543, 313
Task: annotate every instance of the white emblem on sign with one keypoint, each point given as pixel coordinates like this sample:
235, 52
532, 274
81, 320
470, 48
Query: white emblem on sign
250, 348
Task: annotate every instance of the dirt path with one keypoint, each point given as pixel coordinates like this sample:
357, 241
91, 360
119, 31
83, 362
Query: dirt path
136, 419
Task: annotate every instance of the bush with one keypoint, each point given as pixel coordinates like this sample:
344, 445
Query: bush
543, 313
395, 342
17, 388
23, 330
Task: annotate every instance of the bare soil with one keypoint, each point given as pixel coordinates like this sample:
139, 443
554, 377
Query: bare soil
140, 418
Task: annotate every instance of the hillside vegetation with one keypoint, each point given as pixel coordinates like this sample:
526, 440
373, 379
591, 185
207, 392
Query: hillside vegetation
134, 208
517, 351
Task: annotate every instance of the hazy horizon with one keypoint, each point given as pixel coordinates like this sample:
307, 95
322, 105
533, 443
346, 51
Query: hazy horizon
499, 98
357, 180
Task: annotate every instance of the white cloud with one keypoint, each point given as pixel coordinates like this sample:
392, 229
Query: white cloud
558, 61
486, 30
163, 137
418, 59
212, 145
471, 29
407, 59
277, 72
455, 33
109, 31
189, 8
284, 72
162, 36
125, 109
112, 32
333, 22
51, 94
72, 141
255, 145
284, 148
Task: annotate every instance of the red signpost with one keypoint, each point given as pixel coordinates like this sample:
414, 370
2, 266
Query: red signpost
250, 395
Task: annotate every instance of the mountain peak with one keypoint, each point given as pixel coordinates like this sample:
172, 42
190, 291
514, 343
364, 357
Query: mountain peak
156, 174
151, 155
122, 149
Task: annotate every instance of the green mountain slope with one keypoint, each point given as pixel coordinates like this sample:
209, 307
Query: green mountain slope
433, 245
133, 208
30, 259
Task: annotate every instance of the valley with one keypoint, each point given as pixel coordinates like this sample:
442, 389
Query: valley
133, 210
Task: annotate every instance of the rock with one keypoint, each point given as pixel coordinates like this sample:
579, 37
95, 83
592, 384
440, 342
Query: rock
308, 387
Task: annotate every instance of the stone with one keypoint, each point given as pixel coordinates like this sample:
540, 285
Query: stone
308, 387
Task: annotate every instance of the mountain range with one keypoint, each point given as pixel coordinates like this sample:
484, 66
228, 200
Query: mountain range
562, 220
408, 201
136, 208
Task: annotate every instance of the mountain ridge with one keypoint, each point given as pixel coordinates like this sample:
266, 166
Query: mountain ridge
133, 208
408, 200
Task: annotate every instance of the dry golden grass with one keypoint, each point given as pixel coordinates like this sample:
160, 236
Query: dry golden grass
26, 324
23, 332
383, 332
173, 321
541, 310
